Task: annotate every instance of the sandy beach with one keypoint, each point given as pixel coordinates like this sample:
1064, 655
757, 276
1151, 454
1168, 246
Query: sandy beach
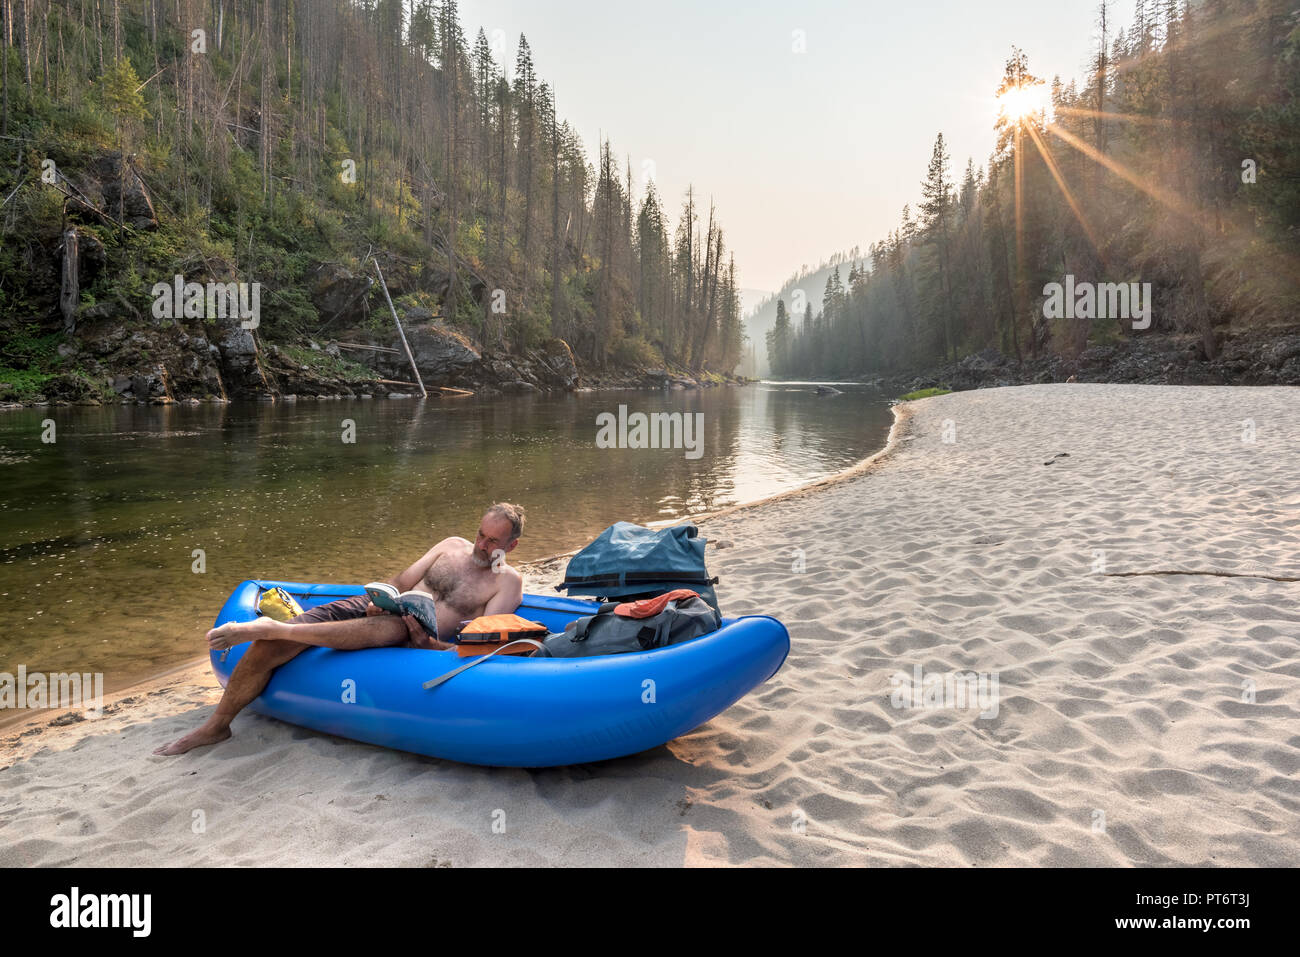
1119, 564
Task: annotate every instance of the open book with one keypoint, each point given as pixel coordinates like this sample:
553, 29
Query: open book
417, 603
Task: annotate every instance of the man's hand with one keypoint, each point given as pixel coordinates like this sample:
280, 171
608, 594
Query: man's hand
372, 609
431, 642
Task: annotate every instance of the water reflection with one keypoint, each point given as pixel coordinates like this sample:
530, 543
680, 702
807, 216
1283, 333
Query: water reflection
99, 530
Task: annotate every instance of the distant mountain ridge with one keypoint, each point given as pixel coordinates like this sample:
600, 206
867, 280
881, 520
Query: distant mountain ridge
809, 283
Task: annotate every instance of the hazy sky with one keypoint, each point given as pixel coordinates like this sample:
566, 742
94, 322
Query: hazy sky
804, 153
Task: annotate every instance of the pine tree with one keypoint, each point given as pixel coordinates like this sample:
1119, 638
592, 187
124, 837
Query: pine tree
525, 95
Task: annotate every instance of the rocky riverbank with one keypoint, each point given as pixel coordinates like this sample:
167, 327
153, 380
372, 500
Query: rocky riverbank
1269, 356
116, 359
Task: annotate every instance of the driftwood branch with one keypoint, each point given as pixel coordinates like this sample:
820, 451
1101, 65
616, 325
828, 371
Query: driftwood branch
151, 79
358, 345
83, 199
11, 195
1274, 578
445, 391
89, 205
402, 335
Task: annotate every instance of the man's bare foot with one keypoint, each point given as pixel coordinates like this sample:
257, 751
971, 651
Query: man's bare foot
195, 739
237, 632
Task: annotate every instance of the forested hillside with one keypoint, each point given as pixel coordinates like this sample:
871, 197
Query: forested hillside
1175, 162
804, 285
278, 142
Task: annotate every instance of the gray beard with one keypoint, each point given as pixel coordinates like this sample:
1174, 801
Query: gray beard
480, 562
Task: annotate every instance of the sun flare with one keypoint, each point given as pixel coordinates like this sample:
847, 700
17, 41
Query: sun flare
1020, 102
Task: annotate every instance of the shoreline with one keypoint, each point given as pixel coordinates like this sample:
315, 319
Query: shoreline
1142, 713
548, 569
636, 381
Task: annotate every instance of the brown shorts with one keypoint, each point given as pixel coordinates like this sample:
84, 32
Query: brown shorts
346, 608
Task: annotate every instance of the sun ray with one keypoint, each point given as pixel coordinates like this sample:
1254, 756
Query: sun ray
1289, 260
1021, 301
1155, 192
1046, 153
1125, 117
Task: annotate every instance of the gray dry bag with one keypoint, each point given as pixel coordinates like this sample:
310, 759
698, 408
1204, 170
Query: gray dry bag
670, 618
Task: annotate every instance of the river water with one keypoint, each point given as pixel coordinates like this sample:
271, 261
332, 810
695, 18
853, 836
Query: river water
121, 538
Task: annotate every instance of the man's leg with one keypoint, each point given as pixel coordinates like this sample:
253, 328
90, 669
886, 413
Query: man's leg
247, 681
340, 624
377, 631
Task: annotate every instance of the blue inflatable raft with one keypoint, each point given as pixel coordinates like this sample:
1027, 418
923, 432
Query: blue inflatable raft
510, 711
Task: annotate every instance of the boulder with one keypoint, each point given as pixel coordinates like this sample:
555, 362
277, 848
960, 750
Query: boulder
556, 366
91, 254
194, 371
519, 386
240, 368
439, 352
104, 340
65, 387
112, 184
339, 294
151, 384
1279, 354
292, 378
236, 342
113, 310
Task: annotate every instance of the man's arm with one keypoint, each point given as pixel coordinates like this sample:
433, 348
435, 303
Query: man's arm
508, 595
412, 576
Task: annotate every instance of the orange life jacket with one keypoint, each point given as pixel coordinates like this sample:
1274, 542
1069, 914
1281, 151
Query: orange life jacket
488, 632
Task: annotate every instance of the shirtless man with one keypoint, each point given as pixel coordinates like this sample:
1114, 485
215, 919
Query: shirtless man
465, 580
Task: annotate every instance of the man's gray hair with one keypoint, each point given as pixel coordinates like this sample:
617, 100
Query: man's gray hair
514, 514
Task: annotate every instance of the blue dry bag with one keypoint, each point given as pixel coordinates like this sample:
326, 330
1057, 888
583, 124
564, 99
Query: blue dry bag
631, 562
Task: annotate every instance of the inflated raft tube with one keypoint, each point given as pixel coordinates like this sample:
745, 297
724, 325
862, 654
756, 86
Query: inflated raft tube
510, 711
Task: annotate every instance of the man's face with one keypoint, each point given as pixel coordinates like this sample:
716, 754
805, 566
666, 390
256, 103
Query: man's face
493, 535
